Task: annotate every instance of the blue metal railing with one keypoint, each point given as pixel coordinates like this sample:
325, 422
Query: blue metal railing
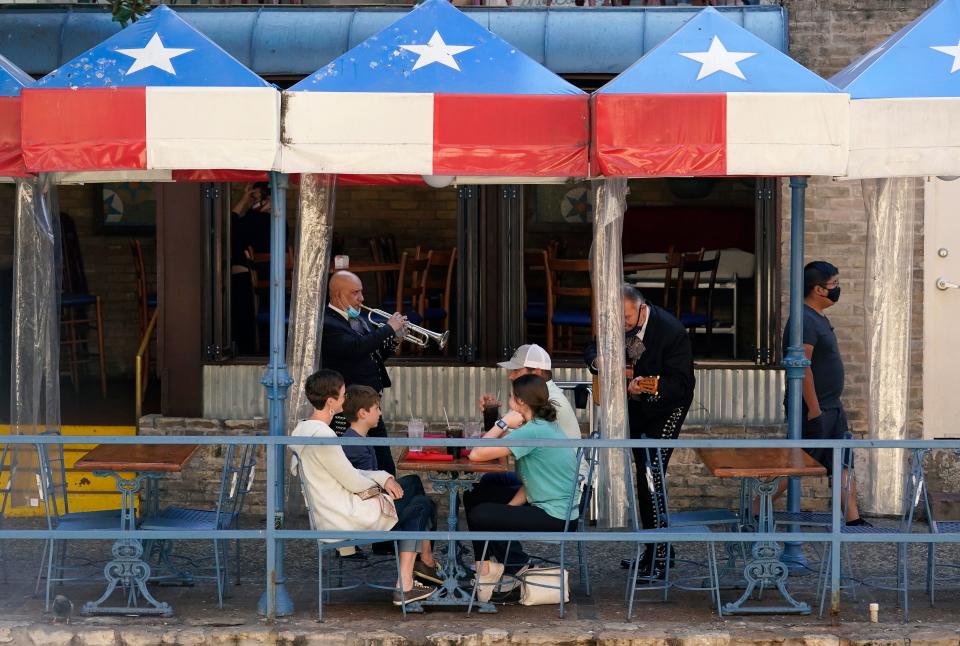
271, 534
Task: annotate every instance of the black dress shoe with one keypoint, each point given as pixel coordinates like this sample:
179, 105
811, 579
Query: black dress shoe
626, 564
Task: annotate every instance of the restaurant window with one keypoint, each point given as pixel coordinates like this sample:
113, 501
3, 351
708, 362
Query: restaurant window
672, 227
402, 241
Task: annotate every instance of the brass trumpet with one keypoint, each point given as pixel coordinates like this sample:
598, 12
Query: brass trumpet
416, 335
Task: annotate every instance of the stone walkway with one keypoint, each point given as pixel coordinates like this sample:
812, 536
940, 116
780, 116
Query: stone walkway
366, 616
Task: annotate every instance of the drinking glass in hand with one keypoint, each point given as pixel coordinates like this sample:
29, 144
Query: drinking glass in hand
491, 413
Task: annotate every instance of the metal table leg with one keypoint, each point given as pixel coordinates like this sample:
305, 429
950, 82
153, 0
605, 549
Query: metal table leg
128, 568
766, 569
450, 593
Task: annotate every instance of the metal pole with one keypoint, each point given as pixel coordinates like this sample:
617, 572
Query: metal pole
795, 360
277, 381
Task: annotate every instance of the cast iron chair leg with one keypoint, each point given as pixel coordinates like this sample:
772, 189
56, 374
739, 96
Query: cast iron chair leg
320, 584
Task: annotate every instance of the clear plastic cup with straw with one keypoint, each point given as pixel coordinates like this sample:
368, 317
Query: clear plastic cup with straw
415, 430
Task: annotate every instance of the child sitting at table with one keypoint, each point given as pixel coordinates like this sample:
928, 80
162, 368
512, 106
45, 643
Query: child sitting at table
547, 474
341, 494
361, 408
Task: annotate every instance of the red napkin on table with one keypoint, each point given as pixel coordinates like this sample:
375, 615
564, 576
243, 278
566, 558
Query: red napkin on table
429, 457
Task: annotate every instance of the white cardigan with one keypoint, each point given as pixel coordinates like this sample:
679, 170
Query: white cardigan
330, 484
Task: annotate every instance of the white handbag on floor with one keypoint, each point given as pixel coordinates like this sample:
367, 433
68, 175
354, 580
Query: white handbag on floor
541, 586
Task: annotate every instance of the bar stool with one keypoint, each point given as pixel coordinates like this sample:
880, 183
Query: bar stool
75, 302
72, 317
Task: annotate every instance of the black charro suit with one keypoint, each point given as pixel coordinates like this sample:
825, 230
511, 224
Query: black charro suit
666, 353
360, 357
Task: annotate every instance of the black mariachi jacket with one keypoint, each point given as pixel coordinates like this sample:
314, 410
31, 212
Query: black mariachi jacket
359, 357
668, 354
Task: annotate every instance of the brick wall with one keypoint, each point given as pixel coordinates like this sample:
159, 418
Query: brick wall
200, 484
826, 35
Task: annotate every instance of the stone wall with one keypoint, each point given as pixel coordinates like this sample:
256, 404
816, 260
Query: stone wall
691, 486
199, 486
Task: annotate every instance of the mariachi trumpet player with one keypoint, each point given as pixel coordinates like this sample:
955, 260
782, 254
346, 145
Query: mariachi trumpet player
358, 350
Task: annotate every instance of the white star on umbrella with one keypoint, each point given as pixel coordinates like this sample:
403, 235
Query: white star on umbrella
436, 51
950, 50
718, 59
153, 55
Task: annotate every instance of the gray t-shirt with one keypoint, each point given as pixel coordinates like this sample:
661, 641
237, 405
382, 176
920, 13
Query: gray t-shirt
826, 363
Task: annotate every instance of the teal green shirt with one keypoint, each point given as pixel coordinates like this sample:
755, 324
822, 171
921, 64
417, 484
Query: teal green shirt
547, 473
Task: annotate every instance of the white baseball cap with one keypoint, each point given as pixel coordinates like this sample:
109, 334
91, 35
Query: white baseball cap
528, 356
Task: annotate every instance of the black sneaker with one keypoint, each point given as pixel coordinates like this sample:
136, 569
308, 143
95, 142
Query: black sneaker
626, 564
418, 592
859, 522
383, 549
429, 573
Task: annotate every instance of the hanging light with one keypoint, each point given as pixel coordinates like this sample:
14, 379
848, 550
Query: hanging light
438, 181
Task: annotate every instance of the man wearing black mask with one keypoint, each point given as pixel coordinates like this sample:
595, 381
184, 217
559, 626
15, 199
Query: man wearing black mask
659, 364
823, 414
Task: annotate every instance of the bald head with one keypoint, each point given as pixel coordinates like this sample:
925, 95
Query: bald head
346, 290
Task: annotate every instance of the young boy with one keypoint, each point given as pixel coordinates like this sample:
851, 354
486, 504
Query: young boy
361, 407
331, 486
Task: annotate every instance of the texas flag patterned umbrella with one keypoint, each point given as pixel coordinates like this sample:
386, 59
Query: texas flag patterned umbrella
156, 95
435, 93
12, 81
905, 100
714, 100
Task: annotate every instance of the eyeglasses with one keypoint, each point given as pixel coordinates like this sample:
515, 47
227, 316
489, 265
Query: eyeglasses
831, 285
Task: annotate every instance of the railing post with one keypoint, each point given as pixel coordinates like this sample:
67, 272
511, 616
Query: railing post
269, 598
836, 528
277, 381
795, 360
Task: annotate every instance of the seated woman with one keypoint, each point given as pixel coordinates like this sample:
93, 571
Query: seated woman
337, 493
548, 476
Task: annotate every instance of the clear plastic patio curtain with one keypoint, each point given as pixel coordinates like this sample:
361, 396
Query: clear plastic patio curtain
35, 347
892, 207
606, 268
312, 250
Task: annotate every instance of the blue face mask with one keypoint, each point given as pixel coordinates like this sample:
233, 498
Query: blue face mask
353, 313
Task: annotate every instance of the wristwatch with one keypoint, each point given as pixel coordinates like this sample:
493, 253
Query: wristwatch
502, 425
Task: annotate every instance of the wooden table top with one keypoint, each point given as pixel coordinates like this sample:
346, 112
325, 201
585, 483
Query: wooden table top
137, 457
760, 463
361, 267
460, 466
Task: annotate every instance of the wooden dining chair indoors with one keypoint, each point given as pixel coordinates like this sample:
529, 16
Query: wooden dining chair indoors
568, 282
259, 263
535, 281
406, 277
697, 274
435, 306
412, 286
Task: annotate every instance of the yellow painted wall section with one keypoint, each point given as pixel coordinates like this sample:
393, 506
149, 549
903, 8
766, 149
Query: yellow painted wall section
85, 491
